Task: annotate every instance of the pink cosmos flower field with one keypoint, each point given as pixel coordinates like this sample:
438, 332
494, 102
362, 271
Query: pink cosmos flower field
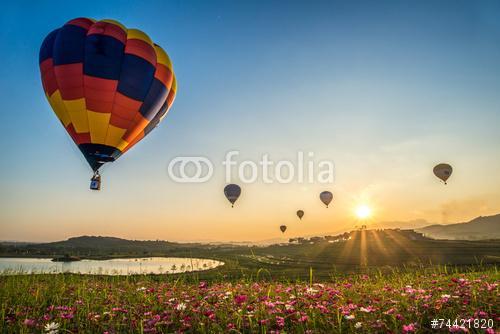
376, 303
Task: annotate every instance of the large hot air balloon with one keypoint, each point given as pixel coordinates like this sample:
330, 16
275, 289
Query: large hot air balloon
232, 192
108, 85
443, 171
283, 228
326, 197
300, 214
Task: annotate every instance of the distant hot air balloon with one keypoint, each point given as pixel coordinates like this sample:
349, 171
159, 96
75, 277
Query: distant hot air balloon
232, 192
283, 228
326, 197
108, 85
443, 171
300, 214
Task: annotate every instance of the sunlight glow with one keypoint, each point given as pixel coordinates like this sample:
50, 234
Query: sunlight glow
363, 211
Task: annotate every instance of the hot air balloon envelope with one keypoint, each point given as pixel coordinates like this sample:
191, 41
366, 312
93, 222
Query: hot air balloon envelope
300, 214
443, 171
108, 85
283, 228
232, 192
326, 197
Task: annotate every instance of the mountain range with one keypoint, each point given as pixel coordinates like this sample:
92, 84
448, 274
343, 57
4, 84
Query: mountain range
480, 228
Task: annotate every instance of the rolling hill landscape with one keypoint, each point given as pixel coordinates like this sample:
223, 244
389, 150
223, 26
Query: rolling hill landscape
350, 251
480, 228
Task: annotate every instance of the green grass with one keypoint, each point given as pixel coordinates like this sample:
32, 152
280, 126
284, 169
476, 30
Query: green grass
393, 299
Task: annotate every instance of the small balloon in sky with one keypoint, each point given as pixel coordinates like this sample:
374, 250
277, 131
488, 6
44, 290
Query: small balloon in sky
326, 197
443, 171
232, 193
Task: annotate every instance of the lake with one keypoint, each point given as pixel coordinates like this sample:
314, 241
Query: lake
131, 266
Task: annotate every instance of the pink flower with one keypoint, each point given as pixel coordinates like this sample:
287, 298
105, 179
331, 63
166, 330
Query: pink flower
29, 322
368, 309
409, 290
240, 299
409, 328
482, 314
280, 321
390, 311
269, 305
457, 329
64, 315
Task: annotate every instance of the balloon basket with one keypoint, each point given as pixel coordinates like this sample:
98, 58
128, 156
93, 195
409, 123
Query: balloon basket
95, 182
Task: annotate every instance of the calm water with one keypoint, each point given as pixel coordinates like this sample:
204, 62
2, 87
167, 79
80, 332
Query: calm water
150, 265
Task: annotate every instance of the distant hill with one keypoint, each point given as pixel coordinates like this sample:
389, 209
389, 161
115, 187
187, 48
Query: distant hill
103, 242
411, 224
480, 228
16, 243
95, 246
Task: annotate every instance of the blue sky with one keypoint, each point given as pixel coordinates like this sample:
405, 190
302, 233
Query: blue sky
385, 89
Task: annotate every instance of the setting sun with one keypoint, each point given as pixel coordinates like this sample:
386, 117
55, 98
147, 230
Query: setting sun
363, 211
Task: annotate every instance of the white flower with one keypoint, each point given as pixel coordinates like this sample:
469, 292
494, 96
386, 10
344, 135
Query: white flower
52, 328
349, 316
358, 325
180, 307
288, 307
141, 288
311, 291
362, 309
445, 296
